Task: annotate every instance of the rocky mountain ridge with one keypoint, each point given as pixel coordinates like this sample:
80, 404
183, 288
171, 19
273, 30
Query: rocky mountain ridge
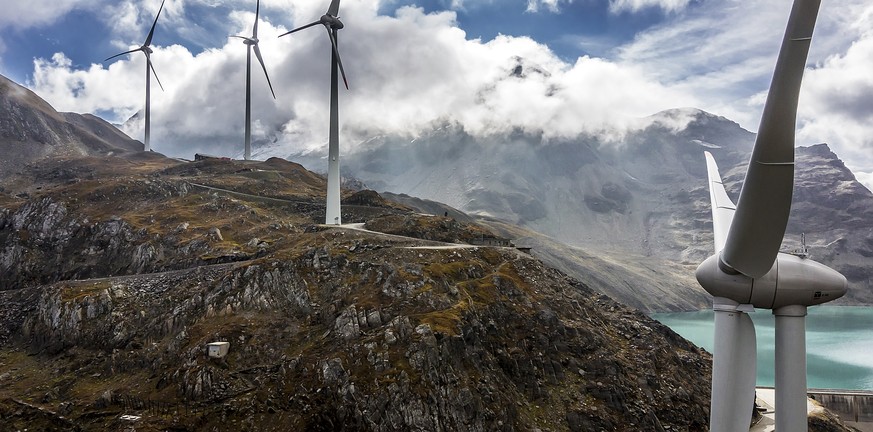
644, 195
31, 129
329, 327
119, 269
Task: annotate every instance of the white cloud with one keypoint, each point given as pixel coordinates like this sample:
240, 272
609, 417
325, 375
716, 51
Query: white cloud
20, 14
412, 70
126, 25
95, 88
406, 73
714, 50
551, 5
617, 6
837, 102
724, 55
865, 178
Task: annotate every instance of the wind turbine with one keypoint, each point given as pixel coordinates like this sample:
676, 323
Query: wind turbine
748, 271
331, 23
252, 42
146, 49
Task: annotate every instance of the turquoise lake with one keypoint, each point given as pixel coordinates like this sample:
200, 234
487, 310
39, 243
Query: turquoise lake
839, 343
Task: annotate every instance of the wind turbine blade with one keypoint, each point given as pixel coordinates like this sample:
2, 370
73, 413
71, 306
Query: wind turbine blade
722, 206
333, 10
148, 40
759, 223
257, 13
237, 36
733, 369
300, 28
261, 60
152, 67
339, 60
126, 52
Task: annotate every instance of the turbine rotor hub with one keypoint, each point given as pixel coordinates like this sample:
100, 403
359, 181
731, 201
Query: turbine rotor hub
331, 22
791, 281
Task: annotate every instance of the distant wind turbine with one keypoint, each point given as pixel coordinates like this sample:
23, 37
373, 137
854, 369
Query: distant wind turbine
331, 23
146, 49
748, 271
252, 42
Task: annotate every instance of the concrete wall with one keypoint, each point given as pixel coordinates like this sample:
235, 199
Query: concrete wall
855, 407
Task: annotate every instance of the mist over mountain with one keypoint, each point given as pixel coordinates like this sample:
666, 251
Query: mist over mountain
643, 194
117, 270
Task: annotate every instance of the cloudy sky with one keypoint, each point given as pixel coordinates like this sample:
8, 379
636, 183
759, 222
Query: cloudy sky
594, 66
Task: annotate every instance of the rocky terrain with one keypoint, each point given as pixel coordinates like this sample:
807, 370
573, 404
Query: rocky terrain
116, 277
330, 328
118, 270
641, 197
30, 129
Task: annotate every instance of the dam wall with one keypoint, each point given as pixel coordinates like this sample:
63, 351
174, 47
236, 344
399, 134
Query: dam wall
855, 407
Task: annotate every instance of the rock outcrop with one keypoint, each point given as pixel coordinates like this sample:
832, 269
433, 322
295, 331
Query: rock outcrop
476, 339
118, 284
119, 270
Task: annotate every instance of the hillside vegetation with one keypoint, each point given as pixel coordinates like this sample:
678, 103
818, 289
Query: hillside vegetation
118, 271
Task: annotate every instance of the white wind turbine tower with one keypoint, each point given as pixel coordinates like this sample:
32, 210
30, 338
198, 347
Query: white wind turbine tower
331, 23
252, 43
748, 271
146, 49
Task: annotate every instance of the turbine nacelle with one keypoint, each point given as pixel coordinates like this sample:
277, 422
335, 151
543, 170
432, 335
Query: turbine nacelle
331, 22
791, 281
252, 41
146, 49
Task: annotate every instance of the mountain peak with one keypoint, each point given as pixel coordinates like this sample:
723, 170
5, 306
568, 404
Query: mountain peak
821, 149
522, 68
11, 93
686, 114
30, 130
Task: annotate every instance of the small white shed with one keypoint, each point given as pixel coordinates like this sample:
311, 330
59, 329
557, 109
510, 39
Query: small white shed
217, 349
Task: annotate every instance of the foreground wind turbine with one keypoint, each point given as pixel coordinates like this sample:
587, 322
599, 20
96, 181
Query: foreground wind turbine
748, 271
331, 23
252, 42
146, 49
